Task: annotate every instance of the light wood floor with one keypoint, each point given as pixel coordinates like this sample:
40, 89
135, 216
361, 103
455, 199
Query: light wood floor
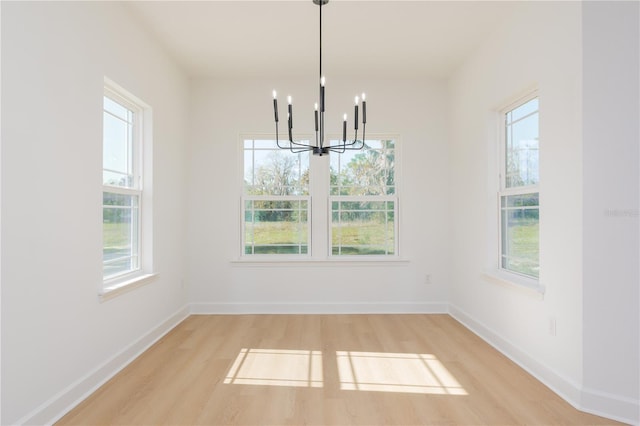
322, 370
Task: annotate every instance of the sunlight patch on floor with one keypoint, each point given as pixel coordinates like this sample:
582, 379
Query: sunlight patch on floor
277, 367
395, 372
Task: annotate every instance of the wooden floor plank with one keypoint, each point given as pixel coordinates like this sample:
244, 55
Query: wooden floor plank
324, 370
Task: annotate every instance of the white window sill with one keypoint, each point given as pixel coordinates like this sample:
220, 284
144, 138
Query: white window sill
498, 276
116, 289
307, 261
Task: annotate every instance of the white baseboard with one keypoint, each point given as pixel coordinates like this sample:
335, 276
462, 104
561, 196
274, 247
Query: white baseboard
320, 308
591, 401
614, 407
60, 404
610, 406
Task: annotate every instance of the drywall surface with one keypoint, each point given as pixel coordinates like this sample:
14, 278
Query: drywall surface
538, 48
55, 331
611, 132
224, 110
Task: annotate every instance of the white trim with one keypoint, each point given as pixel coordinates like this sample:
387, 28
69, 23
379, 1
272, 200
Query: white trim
345, 261
110, 291
511, 279
607, 405
563, 386
320, 308
60, 404
522, 97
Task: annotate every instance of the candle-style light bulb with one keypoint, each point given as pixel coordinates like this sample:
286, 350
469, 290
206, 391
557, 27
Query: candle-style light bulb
322, 82
290, 109
344, 129
355, 114
315, 114
275, 106
364, 109
357, 100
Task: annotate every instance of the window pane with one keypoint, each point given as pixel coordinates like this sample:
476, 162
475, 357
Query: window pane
520, 234
269, 170
120, 233
276, 227
523, 200
366, 172
521, 153
362, 228
524, 109
116, 109
117, 146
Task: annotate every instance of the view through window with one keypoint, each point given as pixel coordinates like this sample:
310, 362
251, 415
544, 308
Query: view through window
358, 187
519, 195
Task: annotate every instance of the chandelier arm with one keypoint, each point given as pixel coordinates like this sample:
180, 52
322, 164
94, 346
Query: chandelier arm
294, 150
301, 145
351, 146
354, 145
299, 150
278, 139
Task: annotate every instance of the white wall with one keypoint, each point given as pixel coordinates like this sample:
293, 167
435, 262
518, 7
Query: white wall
225, 108
544, 47
59, 341
57, 338
611, 130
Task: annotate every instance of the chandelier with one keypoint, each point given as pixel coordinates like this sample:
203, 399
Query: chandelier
321, 147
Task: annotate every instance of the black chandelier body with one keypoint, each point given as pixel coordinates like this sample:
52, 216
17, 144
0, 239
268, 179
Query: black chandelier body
321, 147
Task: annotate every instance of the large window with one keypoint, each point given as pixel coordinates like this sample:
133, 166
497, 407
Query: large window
122, 187
363, 200
276, 202
353, 193
519, 193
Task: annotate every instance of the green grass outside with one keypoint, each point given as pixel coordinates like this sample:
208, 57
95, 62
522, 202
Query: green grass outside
524, 249
360, 233
275, 233
115, 237
355, 238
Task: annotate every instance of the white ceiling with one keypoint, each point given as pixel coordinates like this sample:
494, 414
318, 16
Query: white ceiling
373, 38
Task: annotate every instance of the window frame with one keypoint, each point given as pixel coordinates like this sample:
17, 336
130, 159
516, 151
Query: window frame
319, 213
364, 199
141, 149
247, 197
385, 198
511, 275
290, 198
